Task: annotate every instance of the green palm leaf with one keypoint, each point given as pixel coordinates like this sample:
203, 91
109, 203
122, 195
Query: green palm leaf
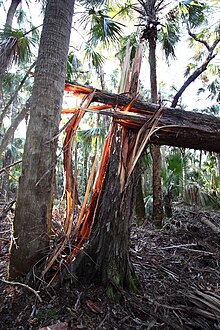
72, 67
169, 36
193, 11
92, 3
15, 48
103, 28
92, 55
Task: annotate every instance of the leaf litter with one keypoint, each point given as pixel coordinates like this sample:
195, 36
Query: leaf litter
178, 271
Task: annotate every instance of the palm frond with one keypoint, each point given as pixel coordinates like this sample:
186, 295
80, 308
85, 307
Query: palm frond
193, 12
169, 36
123, 10
97, 60
73, 65
92, 3
104, 28
194, 195
91, 133
21, 16
133, 43
15, 48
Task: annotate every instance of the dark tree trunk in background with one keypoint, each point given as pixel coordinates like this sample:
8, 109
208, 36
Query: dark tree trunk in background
151, 37
36, 186
106, 259
140, 207
7, 160
11, 12
3, 64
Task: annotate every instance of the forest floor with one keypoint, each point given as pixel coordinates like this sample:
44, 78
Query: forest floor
178, 269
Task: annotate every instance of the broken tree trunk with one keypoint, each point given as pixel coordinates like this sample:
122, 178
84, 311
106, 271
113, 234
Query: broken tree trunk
106, 258
176, 127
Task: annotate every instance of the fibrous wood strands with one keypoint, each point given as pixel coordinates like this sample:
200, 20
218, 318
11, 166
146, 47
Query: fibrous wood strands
138, 122
205, 303
176, 127
132, 144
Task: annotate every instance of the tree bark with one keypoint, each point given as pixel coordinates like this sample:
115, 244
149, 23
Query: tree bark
140, 207
158, 214
106, 259
177, 127
36, 185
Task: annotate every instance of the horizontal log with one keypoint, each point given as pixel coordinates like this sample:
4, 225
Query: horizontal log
176, 127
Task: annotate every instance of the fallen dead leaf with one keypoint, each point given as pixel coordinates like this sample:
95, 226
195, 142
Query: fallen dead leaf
58, 326
93, 307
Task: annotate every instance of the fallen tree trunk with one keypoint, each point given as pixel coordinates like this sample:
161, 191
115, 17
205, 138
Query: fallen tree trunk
176, 127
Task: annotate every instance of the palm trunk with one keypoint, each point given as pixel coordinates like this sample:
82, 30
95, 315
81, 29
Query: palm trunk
36, 185
155, 150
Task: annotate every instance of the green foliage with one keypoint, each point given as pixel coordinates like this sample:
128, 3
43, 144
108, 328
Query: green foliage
92, 3
73, 66
114, 78
15, 47
195, 196
193, 12
132, 39
21, 16
103, 28
97, 60
123, 10
189, 68
169, 36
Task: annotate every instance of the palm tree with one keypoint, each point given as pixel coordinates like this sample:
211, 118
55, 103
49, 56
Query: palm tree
34, 201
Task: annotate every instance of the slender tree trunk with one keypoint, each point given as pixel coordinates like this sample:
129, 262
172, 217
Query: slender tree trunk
14, 125
34, 202
11, 12
194, 76
8, 24
140, 208
155, 149
7, 160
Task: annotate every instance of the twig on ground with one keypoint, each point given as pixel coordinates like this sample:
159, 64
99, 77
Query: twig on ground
199, 251
176, 246
25, 286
